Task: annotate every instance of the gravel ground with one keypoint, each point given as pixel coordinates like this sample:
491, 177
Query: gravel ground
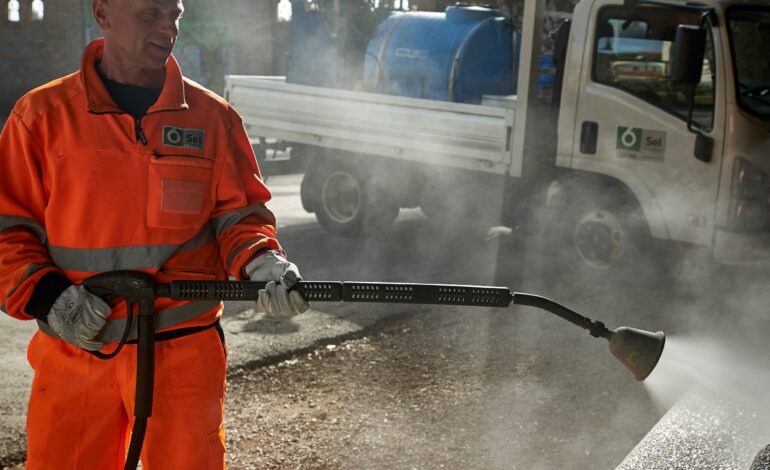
421, 394
347, 406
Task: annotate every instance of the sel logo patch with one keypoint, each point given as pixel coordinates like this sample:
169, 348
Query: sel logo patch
178, 137
629, 138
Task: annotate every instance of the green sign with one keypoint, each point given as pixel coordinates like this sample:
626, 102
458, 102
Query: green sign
629, 138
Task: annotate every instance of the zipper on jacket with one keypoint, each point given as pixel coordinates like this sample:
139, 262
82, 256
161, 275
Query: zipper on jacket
189, 271
156, 155
139, 133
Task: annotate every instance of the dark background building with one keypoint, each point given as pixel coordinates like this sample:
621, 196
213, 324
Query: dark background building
36, 51
217, 38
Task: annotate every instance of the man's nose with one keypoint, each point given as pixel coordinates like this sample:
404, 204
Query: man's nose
170, 28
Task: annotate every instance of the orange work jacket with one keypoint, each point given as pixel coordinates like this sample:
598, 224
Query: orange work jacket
85, 188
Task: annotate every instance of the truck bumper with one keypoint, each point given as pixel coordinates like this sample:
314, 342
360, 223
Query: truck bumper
741, 248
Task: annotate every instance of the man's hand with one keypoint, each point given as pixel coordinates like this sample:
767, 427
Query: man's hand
277, 298
77, 316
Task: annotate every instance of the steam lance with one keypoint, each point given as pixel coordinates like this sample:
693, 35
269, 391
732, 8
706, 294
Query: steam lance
636, 349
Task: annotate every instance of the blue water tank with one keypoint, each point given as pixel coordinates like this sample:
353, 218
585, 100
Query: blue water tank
328, 41
313, 50
458, 55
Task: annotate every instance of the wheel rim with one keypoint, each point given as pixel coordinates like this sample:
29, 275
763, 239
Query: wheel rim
599, 239
341, 195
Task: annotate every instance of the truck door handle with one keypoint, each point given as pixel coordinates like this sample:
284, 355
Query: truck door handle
589, 132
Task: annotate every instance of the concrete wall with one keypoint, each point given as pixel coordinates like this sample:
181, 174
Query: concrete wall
35, 52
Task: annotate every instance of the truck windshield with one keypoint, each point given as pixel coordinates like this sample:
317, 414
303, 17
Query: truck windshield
750, 35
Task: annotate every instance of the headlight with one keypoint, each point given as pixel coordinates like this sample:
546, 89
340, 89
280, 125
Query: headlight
750, 198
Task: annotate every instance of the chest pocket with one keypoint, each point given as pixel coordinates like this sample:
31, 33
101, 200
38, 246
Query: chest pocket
180, 194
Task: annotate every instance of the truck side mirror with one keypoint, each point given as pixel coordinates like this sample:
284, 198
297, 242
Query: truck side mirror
688, 54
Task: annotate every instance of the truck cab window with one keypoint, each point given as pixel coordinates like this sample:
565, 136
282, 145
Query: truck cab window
633, 52
748, 27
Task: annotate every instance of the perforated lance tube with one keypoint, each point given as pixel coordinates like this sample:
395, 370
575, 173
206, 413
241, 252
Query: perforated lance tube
333, 291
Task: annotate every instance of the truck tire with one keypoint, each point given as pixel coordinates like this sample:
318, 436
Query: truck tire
349, 200
596, 233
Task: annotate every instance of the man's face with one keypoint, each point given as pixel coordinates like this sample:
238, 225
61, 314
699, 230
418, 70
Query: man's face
141, 32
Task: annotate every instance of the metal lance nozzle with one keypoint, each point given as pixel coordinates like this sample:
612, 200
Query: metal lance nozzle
638, 350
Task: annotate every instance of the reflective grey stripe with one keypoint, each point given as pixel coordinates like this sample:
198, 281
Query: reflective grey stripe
235, 253
124, 257
225, 221
113, 330
111, 259
31, 269
203, 236
7, 221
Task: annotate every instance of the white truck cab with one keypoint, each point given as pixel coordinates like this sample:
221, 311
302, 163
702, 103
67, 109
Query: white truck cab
700, 179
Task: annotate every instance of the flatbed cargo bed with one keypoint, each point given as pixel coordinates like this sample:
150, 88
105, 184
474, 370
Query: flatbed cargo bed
466, 136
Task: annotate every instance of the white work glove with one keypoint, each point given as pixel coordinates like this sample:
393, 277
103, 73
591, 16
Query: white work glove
77, 316
277, 298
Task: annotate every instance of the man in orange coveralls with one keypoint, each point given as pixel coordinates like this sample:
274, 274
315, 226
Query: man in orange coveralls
127, 165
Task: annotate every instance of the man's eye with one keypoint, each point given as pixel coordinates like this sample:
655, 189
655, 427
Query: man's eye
151, 14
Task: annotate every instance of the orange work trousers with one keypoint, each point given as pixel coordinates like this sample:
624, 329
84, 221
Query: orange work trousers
81, 408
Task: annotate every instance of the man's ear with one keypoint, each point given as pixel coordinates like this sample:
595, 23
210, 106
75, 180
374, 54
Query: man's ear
99, 10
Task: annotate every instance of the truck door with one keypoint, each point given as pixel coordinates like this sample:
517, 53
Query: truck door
631, 122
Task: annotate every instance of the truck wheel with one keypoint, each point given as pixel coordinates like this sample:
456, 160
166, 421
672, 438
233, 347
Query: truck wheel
350, 202
596, 233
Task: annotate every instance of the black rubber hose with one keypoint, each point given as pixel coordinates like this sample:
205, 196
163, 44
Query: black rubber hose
145, 380
597, 329
135, 448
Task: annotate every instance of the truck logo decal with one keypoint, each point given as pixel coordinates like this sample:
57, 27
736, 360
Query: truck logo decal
641, 144
629, 138
420, 54
179, 137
